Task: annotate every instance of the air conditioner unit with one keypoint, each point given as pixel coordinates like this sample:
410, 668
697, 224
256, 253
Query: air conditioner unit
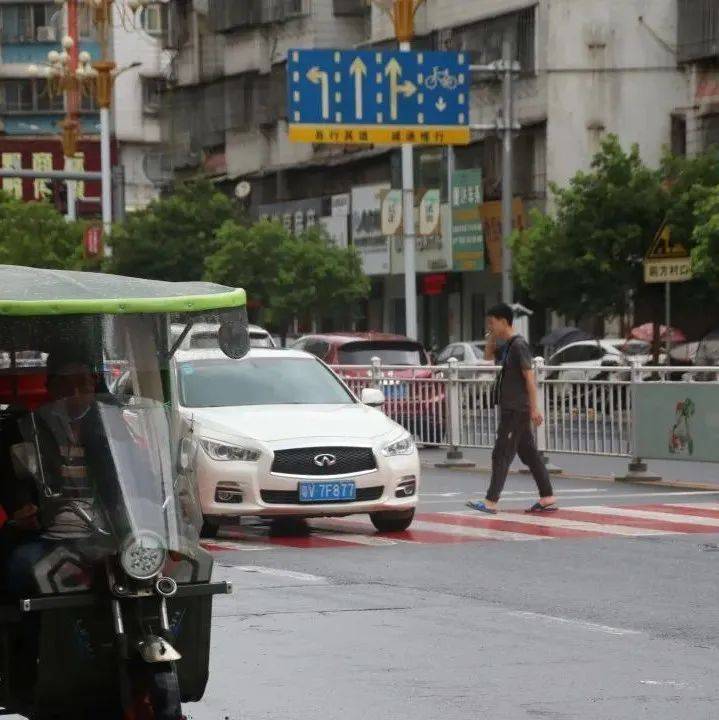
46, 33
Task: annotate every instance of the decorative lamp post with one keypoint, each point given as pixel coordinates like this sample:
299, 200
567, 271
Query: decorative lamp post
75, 74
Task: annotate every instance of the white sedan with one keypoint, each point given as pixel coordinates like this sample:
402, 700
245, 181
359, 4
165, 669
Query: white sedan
278, 434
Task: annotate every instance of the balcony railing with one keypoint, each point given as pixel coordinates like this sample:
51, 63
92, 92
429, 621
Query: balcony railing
229, 15
698, 30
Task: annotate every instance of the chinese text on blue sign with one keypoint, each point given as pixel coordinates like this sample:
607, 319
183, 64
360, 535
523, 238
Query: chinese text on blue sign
366, 96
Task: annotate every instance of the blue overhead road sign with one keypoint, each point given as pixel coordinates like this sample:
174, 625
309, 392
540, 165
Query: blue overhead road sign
380, 97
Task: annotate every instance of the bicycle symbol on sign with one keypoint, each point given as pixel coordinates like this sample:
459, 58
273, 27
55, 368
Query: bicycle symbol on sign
441, 78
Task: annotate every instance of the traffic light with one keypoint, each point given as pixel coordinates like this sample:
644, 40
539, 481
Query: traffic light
58, 195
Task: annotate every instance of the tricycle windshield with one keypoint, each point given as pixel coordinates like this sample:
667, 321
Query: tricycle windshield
87, 432
104, 473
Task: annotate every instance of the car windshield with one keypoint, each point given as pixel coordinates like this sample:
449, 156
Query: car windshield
478, 349
259, 381
388, 353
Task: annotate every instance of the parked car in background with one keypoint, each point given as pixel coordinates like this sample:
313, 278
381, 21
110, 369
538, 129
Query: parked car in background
278, 434
412, 396
203, 336
585, 360
469, 356
634, 350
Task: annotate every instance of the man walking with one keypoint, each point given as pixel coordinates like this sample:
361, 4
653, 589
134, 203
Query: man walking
519, 413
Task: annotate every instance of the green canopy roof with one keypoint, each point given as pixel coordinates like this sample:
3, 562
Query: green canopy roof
33, 291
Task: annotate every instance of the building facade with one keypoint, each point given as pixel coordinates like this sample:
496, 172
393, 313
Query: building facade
30, 114
138, 93
588, 68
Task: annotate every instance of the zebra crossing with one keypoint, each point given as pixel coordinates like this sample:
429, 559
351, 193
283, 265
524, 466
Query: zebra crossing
448, 528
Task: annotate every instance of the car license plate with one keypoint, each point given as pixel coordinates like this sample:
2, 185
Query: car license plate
327, 492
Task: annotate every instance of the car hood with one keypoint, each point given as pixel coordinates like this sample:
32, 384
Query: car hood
279, 423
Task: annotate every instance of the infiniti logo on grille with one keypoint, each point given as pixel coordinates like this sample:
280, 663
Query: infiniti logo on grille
325, 460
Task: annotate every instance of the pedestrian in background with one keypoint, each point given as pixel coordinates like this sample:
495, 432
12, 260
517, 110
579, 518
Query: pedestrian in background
515, 392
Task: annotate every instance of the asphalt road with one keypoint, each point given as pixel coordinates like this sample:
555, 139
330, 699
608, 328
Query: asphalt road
343, 624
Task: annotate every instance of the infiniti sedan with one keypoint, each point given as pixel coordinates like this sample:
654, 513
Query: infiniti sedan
278, 434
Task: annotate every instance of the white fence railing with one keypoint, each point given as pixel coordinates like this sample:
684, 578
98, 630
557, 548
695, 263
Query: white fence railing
587, 410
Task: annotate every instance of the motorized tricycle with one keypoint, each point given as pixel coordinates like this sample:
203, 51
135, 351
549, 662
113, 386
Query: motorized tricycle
105, 591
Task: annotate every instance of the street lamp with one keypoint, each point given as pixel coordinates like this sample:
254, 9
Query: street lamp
88, 79
68, 72
402, 13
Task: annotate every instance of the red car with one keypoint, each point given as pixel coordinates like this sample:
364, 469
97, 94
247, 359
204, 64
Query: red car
414, 397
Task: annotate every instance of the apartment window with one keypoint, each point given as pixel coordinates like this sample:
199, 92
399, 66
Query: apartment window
679, 135
483, 40
30, 23
710, 131
44, 101
17, 96
27, 96
152, 90
154, 19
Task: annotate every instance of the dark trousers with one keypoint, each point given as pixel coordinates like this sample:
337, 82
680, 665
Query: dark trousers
516, 436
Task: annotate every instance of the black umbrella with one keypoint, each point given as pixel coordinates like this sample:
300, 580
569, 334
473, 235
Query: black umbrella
560, 337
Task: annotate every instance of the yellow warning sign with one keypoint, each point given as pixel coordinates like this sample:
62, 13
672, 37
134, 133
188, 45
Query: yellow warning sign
664, 248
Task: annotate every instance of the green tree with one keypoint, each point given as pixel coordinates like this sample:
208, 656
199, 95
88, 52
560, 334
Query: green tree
705, 255
170, 239
286, 276
318, 280
586, 260
249, 257
36, 235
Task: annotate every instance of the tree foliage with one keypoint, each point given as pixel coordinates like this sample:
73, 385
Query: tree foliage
705, 255
35, 235
587, 259
170, 239
287, 276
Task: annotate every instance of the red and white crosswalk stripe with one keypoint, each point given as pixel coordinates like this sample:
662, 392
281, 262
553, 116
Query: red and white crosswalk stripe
589, 521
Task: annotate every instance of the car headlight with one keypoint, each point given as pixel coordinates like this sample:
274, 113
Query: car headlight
143, 555
403, 446
233, 453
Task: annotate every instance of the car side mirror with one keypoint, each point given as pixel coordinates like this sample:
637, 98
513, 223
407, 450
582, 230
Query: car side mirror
234, 339
372, 397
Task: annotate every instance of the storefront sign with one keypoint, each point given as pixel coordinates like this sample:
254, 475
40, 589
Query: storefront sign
367, 236
433, 252
341, 205
491, 213
296, 216
47, 154
467, 230
392, 213
429, 213
336, 228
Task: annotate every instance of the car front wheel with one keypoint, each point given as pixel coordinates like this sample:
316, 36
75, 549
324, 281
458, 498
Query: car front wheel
392, 521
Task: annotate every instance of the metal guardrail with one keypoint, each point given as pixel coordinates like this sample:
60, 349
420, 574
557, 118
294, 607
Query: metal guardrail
587, 410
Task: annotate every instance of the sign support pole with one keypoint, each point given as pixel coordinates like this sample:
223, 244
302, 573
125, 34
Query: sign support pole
410, 264
507, 172
668, 318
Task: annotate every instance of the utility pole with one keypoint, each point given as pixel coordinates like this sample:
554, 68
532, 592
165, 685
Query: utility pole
507, 170
402, 13
506, 126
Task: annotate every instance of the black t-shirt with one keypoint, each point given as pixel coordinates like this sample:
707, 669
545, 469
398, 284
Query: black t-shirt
514, 395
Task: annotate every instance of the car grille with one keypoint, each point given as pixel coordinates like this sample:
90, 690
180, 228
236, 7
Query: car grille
292, 497
302, 461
